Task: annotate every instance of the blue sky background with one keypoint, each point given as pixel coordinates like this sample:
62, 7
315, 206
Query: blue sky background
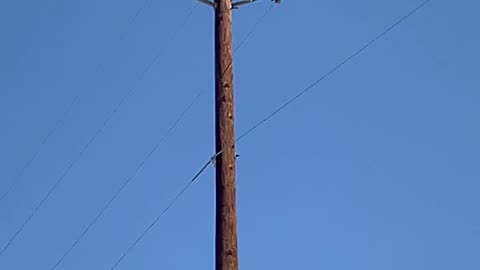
376, 168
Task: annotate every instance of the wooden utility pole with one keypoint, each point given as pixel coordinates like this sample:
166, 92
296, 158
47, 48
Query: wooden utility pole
226, 252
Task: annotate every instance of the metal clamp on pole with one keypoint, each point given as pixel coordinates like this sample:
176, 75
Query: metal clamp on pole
208, 3
243, 2
235, 5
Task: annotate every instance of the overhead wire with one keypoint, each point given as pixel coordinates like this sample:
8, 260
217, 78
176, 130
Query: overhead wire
63, 116
44, 141
99, 131
206, 165
263, 121
90, 225
331, 71
137, 14
164, 211
127, 181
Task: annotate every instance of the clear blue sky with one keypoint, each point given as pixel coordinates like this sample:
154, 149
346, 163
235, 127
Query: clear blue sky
377, 168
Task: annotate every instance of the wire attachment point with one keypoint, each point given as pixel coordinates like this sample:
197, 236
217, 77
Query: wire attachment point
208, 3
235, 5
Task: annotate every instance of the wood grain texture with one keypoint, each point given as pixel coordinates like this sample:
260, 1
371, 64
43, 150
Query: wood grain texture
226, 252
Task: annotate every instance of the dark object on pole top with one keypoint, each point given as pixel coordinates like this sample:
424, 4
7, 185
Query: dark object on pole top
234, 5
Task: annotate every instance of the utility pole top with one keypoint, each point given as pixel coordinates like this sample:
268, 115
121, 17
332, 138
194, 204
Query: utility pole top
226, 248
234, 5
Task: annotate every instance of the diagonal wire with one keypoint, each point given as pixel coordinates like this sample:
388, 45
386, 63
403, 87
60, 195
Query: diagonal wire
137, 14
44, 141
204, 167
64, 115
264, 120
255, 26
165, 210
128, 180
97, 133
331, 71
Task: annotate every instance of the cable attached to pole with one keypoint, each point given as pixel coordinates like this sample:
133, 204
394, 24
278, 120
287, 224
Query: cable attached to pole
263, 121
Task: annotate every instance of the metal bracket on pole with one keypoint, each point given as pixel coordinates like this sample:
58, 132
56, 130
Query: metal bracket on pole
208, 3
235, 5
242, 2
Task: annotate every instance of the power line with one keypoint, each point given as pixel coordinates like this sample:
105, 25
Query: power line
263, 121
254, 27
128, 180
64, 115
50, 133
331, 71
164, 211
97, 133
204, 167
137, 14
